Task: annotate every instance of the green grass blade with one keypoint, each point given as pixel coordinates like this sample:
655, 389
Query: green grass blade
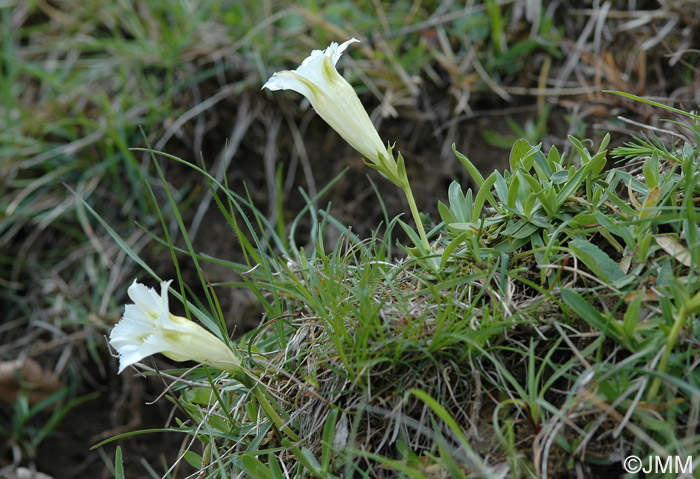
652, 103
118, 465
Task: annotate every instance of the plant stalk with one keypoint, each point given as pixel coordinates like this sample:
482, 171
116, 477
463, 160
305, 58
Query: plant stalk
271, 412
416, 216
670, 342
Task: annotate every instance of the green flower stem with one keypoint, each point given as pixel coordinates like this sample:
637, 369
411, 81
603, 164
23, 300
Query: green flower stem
416, 216
257, 390
274, 416
670, 341
690, 307
272, 413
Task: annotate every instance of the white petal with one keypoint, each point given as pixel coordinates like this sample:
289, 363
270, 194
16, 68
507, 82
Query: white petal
170, 322
164, 285
141, 333
334, 99
288, 80
334, 51
155, 344
133, 353
340, 49
129, 355
133, 313
309, 69
129, 332
146, 299
275, 82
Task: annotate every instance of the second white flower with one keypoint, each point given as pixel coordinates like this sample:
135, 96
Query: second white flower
335, 100
148, 327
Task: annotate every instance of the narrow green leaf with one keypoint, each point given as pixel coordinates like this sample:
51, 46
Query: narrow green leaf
482, 195
629, 321
309, 460
584, 219
401, 171
501, 187
445, 213
513, 228
650, 169
583, 153
560, 177
596, 260
136, 433
589, 314
652, 103
596, 165
527, 199
615, 228
526, 231
471, 169
255, 467
193, 459
518, 153
535, 186
118, 464
474, 459
458, 203
413, 236
274, 466
542, 168
449, 249
573, 181
252, 409
548, 198
513, 189
327, 441
554, 159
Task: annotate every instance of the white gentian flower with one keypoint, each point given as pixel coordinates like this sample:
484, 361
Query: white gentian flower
335, 100
337, 103
147, 328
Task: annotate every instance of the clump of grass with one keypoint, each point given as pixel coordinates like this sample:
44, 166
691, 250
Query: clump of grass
533, 340
83, 80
